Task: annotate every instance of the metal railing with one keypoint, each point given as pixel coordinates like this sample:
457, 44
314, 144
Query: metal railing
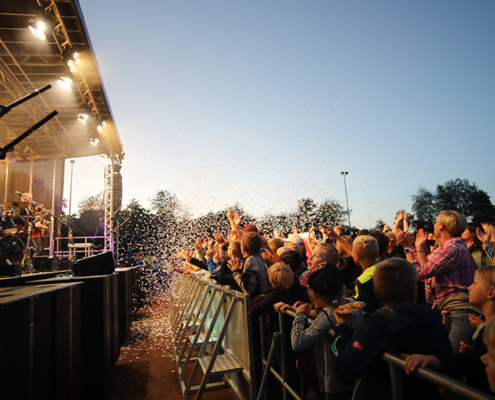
73, 252
396, 365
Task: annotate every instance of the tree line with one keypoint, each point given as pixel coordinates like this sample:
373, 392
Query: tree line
167, 225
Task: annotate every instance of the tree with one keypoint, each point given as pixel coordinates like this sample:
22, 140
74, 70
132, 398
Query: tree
134, 222
96, 202
459, 195
424, 205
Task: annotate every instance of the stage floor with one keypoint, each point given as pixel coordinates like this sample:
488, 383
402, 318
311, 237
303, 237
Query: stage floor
146, 369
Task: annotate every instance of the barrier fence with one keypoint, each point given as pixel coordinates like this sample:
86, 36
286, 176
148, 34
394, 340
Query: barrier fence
212, 332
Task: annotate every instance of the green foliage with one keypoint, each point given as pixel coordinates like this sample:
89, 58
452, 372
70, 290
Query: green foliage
459, 195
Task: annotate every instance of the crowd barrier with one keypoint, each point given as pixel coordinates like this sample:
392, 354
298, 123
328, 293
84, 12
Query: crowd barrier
396, 365
212, 331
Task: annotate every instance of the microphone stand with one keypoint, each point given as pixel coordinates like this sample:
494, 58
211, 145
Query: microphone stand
22, 136
5, 109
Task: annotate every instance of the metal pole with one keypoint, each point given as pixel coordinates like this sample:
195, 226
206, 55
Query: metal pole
70, 195
344, 173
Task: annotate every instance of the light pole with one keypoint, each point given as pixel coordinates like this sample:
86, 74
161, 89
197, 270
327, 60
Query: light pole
70, 195
344, 173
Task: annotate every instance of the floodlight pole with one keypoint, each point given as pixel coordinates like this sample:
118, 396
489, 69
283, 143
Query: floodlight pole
70, 195
344, 173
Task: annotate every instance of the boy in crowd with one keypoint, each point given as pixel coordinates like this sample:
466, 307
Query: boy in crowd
365, 251
251, 275
399, 327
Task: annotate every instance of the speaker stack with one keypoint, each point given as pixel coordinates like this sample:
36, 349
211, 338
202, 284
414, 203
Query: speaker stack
100, 329
40, 342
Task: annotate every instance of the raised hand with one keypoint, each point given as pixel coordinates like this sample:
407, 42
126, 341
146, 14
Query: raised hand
331, 232
421, 238
219, 238
235, 264
237, 219
403, 239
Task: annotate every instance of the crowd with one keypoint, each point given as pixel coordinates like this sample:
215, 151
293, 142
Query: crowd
426, 296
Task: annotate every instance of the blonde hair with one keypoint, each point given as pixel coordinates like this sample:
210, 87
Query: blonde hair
392, 239
340, 249
281, 276
486, 276
367, 248
454, 222
487, 227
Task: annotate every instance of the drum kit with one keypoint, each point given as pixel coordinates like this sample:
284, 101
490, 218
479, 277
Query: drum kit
13, 233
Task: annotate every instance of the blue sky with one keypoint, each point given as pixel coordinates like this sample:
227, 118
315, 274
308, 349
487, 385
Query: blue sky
266, 102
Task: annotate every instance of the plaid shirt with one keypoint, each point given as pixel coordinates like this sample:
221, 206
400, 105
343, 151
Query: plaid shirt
449, 270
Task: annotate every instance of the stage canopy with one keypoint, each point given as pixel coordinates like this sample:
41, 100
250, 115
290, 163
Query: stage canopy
84, 125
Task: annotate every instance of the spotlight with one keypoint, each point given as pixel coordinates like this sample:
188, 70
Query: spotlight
104, 124
99, 128
94, 141
66, 83
38, 28
82, 118
74, 62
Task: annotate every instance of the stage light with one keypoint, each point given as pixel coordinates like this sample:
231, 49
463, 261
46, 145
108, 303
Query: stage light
38, 28
94, 141
74, 62
66, 83
99, 128
104, 124
82, 118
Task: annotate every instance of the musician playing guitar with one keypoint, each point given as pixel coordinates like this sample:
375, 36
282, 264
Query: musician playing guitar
37, 230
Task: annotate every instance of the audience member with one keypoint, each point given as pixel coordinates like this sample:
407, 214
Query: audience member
401, 326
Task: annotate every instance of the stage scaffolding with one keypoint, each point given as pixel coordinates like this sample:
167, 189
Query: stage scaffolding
27, 63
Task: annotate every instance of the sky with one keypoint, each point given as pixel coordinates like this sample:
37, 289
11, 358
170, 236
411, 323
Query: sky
267, 102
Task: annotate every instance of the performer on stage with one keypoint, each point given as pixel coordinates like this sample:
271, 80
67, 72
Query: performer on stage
37, 230
23, 214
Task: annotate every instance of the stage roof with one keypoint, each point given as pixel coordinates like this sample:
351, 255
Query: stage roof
28, 63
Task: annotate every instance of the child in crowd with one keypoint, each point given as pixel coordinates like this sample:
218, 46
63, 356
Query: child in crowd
489, 358
326, 290
281, 279
401, 326
467, 362
251, 274
365, 251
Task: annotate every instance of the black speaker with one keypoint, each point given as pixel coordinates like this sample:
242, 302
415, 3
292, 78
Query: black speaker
100, 329
40, 347
99, 264
11, 270
45, 263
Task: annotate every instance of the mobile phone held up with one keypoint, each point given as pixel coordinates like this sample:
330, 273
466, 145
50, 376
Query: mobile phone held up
412, 229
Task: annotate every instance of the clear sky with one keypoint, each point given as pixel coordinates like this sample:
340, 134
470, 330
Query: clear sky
266, 102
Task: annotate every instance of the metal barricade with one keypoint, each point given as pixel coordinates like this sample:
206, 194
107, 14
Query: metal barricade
396, 365
211, 331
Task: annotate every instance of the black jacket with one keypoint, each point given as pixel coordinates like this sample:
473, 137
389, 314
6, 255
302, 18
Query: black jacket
407, 328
